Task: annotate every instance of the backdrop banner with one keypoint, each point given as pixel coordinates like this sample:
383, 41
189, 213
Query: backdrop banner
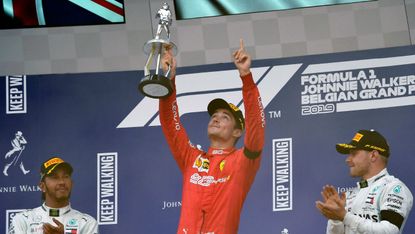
125, 176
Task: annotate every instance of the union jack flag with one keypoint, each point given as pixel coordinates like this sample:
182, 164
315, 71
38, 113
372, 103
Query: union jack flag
45, 13
370, 200
71, 231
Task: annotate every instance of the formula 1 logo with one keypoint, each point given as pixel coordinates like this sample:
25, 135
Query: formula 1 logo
196, 90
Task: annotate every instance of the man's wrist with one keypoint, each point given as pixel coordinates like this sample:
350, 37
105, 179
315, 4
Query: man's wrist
343, 215
348, 218
243, 73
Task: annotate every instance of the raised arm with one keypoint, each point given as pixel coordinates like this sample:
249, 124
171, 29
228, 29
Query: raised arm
173, 129
254, 111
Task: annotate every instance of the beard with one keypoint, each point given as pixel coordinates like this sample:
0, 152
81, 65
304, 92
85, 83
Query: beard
56, 195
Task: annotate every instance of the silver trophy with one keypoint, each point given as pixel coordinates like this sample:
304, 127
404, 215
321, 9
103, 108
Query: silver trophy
158, 84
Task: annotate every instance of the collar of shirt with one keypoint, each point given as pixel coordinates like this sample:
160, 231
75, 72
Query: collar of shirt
366, 183
56, 212
214, 151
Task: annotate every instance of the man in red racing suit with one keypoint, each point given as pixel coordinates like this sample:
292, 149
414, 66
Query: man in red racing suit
216, 182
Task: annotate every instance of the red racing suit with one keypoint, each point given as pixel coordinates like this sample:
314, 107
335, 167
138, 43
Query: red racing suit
215, 183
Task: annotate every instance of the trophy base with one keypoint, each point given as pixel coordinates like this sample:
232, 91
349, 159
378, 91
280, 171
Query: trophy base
155, 86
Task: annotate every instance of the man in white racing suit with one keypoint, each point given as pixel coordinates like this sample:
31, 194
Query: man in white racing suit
379, 204
55, 215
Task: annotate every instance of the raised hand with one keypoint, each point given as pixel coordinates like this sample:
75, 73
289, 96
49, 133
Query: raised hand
333, 204
242, 59
50, 229
168, 59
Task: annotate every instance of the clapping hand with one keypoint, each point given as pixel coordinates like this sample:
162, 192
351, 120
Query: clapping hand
333, 204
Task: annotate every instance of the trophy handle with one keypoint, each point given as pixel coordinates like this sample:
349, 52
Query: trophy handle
148, 63
168, 72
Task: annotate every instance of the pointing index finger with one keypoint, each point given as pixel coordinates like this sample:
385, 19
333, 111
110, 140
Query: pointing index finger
241, 44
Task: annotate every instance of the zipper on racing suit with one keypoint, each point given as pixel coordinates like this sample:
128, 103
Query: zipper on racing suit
203, 221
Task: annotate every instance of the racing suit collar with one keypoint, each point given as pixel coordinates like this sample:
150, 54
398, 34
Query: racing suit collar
215, 151
58, 211
367, 183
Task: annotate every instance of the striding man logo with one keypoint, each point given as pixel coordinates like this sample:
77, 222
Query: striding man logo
14, 156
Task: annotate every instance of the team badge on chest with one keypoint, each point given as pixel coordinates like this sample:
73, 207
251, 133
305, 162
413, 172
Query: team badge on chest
201, 164
71, 227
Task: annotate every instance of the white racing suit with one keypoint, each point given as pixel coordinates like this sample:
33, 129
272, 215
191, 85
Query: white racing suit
380, 207
31, 221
